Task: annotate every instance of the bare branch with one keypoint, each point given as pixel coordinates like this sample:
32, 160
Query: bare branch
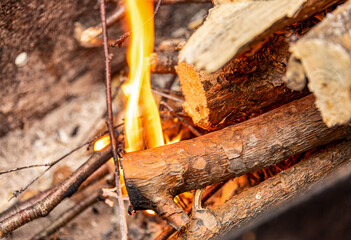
60, 192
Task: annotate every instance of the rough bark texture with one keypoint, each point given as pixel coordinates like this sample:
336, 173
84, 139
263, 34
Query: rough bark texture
153, 177
245, 85
231, 29
325, 53
57, 67
326, 211
209, 224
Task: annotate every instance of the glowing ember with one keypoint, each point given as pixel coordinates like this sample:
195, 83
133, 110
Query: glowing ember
141, 111
150, 212
175, 139
102, 143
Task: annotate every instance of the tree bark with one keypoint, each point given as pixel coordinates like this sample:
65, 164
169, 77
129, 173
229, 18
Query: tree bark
325, 54
244, 86
153, 177
232, 28
268, 195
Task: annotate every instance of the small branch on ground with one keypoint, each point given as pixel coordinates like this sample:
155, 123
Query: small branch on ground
63, 190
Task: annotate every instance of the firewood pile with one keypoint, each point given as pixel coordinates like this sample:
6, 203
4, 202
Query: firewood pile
257, 92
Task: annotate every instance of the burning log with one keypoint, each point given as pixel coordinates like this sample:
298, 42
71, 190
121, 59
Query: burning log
153, 177
232, 28
207, 224
245, 85
325, 56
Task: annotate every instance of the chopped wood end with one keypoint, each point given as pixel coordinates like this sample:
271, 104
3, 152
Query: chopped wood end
194, 93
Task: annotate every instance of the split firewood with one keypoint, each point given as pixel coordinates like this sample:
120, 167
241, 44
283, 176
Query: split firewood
209, 224
153, 177
245, 85
232, 28
325, 57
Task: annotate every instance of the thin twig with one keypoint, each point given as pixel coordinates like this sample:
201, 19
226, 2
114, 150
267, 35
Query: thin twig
60, 192
185, 123
18, 192
109, 121
165, 95
24, 167
168, 86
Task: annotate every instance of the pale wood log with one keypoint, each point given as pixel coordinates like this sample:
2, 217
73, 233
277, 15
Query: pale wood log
230, 29
325, 53
268, 195
153, 177
245, 85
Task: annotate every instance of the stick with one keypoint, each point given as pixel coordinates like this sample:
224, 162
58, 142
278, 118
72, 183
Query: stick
60, 192
109, 121
268, 195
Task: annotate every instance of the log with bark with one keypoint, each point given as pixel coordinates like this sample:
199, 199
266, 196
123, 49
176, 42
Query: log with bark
244, 86
268, 195
325, 57
153, 177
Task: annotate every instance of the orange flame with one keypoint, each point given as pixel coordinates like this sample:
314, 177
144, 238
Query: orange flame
175, 139
141, 110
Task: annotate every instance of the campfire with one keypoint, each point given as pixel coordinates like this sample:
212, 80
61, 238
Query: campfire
218, 119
